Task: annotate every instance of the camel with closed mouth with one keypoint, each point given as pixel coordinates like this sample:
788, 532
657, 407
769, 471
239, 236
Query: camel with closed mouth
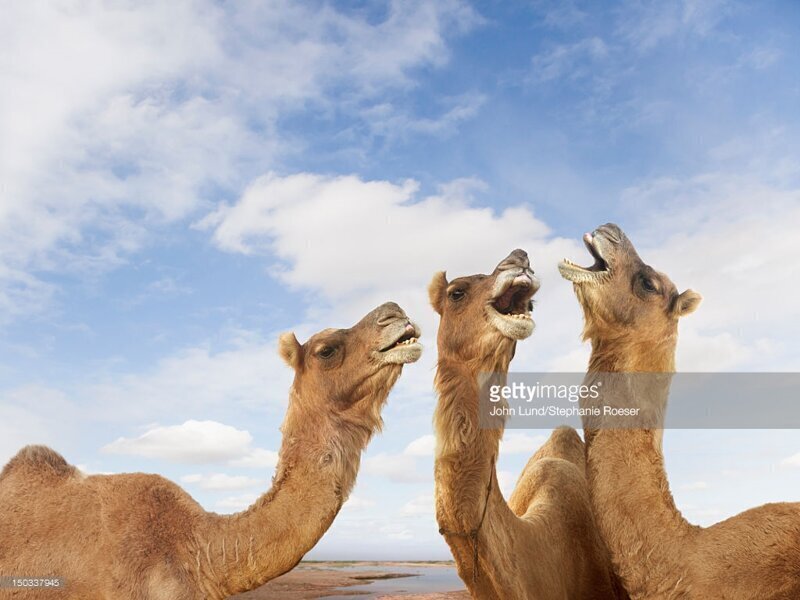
142, 537
631, 316
543, 543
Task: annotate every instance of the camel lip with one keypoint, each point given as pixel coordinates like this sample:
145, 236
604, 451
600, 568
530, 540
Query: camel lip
596, 273
409, 336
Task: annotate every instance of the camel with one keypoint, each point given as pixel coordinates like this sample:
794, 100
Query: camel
631, 315
543, 543
138, 536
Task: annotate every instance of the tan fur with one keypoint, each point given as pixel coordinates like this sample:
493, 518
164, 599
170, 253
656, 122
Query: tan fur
543, 543
657, 553
135, 536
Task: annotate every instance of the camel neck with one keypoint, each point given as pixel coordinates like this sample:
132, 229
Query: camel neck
625, 355
466, 454
635, 509
316, 470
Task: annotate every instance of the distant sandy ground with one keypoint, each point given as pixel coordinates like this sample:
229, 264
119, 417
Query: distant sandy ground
432, 596
320, 580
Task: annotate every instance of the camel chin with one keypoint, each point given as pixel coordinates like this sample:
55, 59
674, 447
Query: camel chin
403, 353
515, 326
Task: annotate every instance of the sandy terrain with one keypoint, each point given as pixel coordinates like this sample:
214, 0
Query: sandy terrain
432, 596
320, 580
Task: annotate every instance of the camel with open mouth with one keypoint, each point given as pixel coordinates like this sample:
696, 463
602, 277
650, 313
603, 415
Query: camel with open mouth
543, 543
631, 316
142, 537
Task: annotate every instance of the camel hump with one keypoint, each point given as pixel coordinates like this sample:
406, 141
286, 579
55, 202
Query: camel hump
563, 443
40, 458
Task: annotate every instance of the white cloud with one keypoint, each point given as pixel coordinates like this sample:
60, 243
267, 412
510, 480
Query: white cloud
647, 24
193, 442
21, 294
388, 121
422, 446
395, 467
85, 469
419, 505
570, 61
515, 442
221, 481
423, 231
357, 503
702, 515
561, 14
236, 503
791, 461
246, 371
506, 480
694, 486
396, 532
114, 120
257, 458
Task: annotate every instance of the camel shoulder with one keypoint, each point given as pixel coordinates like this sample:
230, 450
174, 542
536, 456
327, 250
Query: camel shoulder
39, 459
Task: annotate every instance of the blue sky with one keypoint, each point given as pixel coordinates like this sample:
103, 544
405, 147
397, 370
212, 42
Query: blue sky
181, 182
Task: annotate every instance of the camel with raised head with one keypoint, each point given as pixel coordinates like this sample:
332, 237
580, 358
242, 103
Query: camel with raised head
543, 543
631, 316
142, 537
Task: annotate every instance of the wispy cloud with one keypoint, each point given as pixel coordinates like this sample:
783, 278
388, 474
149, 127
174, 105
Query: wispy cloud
118, 120
568, 61
386, 121
561, 14
645, 24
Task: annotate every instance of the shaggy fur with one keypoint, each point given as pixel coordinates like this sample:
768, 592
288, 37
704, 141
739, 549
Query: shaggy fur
632, 321
136, 536
543, 543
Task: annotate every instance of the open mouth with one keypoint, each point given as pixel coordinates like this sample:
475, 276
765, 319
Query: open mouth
404, 349
515, 301
408, 338
596, 273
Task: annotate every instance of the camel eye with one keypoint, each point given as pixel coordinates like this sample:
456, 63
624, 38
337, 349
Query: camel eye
648, 286
326, 352
457, 294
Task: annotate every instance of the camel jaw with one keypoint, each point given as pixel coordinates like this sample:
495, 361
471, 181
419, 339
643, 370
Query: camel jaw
598, 273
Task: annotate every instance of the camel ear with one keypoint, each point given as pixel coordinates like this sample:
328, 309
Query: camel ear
437, 290
686, 303
290, 350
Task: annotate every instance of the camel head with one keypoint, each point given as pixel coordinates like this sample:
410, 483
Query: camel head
484, 314
342, 370
621, 296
